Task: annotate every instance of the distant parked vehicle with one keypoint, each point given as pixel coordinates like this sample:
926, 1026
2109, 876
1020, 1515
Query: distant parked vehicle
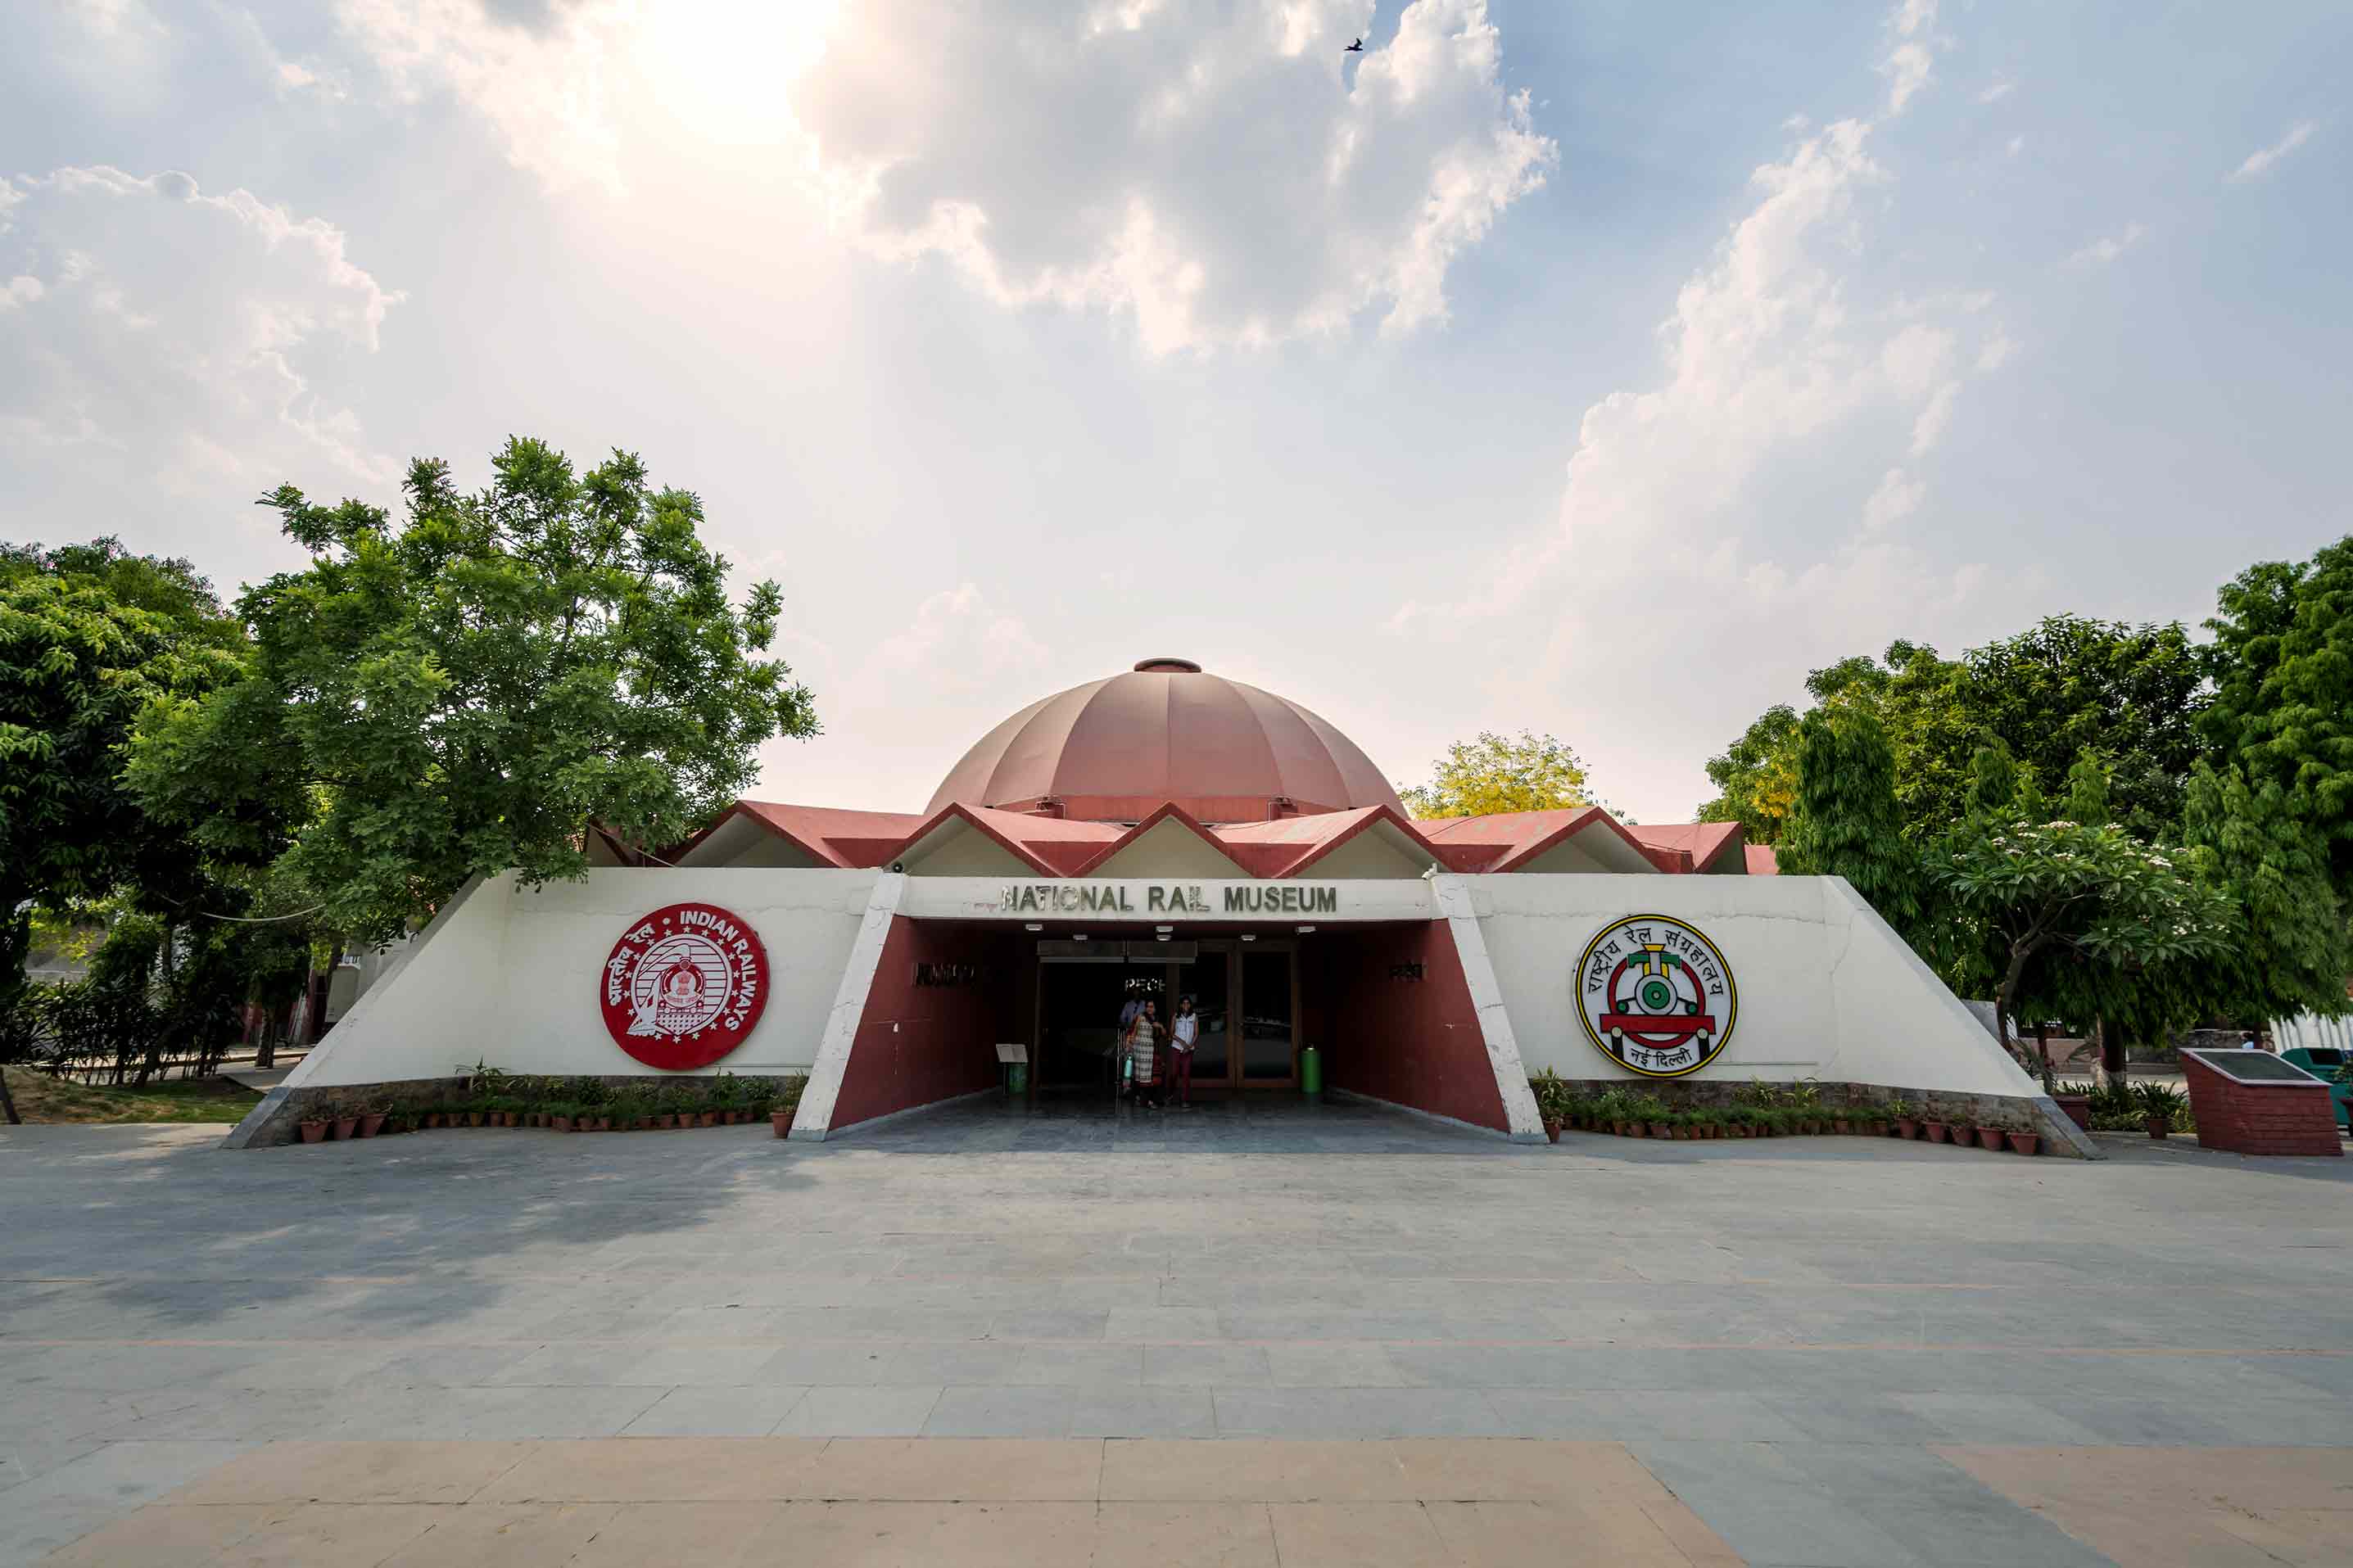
2327, 1063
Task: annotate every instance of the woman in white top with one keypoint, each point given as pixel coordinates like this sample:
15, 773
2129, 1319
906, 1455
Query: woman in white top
1184, 1034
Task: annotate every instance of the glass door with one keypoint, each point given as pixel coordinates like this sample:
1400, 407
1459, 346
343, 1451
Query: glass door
1269, 1008
1207, 980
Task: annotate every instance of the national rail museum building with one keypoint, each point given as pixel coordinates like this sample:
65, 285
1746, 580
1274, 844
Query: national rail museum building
1166, 832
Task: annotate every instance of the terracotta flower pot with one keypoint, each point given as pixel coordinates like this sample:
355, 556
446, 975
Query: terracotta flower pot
1936, 1131
371, 1124
561, 1123
1841, 1127
711, 1118
2025, 1142
347, 1127
314, 1133
473, 1118
782, 1121
2158, 1126
1907, 1127
2078, 1107
1552, 1130
1992, 1138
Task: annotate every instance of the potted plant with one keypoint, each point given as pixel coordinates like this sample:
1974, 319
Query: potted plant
2075, 1099
1936, 1130
560, 1118
347, 1127
1991, 1138
2160, 1105
1907, 1125
314, 1131
780, 1117
2025, 1142
372, 1120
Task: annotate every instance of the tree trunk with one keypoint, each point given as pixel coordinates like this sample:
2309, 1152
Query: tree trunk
2114, 1069
2043, 1055
265, 1045
15, 946
2006, 997
321, 985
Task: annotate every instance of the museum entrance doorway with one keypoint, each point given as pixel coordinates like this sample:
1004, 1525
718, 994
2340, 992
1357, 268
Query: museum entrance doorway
1245, 990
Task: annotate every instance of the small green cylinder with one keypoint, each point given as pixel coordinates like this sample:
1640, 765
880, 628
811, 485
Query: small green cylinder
1311, 1073
1016, 1077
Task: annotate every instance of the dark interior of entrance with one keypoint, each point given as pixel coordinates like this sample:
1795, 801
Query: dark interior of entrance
1246, 994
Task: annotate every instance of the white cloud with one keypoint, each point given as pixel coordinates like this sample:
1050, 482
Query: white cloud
1785, 373
959, 642
1898, 496
1910, 61
1997, 92
1220, 174
1930, 427
2260, 162
2016, 145
184, 331
2107, 248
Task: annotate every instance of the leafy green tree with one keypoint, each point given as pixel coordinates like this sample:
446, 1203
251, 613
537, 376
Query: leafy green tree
2087, 791
2282, 662
1502, 773
91, 634
2073, 890
2132, 693
2290, 946
468, 691
1757, 777
1844, 821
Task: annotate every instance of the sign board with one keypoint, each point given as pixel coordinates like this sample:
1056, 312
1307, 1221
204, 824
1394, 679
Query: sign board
1013, 1052
2254, 1068
684, 986
1134, 901
1655, 995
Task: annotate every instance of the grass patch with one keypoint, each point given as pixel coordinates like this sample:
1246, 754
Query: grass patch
42, 1098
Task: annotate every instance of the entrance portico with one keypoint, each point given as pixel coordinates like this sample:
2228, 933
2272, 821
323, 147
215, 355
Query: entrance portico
1366, 971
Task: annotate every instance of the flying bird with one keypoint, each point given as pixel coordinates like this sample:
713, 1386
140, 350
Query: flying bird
1356, 48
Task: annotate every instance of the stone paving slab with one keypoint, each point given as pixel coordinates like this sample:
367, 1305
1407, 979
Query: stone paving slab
1760, 1323
937, 1503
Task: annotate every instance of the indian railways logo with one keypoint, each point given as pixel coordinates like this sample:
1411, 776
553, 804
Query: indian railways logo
1656, 996
684, 986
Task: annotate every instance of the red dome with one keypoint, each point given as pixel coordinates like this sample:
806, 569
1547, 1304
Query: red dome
1116, 750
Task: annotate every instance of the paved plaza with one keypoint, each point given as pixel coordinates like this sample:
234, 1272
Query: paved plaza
1290, 1334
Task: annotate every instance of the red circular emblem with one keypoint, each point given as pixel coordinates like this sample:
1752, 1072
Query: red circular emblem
684, 986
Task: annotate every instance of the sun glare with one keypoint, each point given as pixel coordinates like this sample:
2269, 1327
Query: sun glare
724, 69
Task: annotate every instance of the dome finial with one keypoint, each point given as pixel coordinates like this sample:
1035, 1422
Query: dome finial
1167, 666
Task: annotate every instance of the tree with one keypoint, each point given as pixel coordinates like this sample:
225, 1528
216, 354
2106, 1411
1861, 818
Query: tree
469, 690
2072, 890
1757, 777
1498, 773
2069, 684
91, 634
2282, 662
2290, 948
1844, 821
2131, 695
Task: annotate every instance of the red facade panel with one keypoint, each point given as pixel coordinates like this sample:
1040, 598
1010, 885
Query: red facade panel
1411, 1041
943, 997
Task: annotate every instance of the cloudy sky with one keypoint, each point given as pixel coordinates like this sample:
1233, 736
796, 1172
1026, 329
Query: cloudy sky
1593, 368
